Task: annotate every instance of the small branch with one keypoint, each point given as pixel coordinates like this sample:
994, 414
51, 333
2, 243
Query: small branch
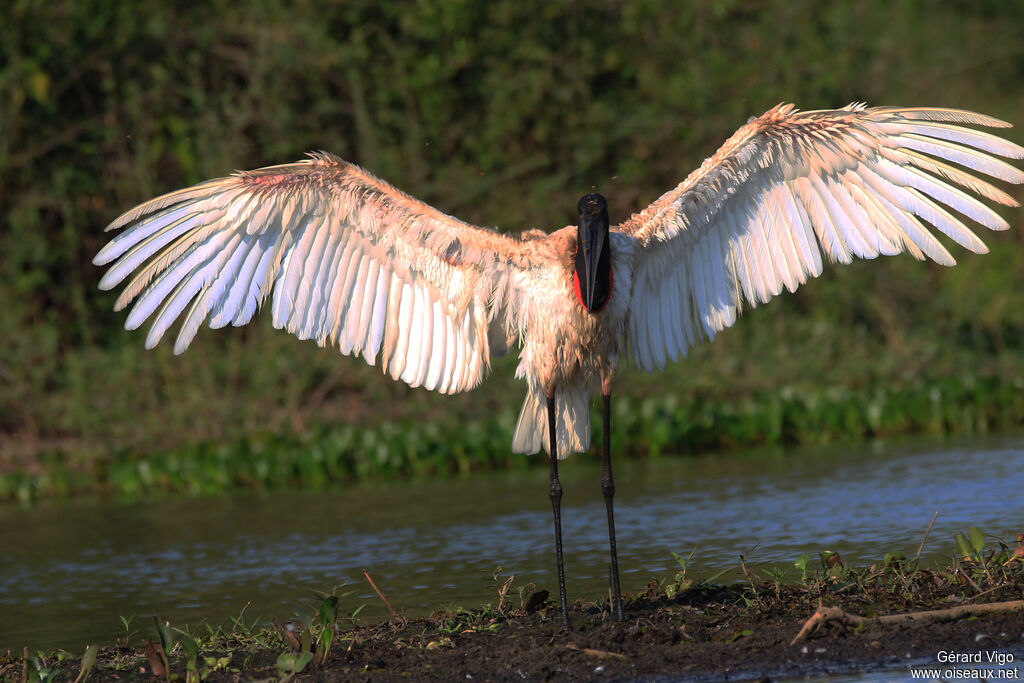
967, 576
504, 592
595, 653
743, 566
374, 586
926, 532
990, 590
822, 616
836, 614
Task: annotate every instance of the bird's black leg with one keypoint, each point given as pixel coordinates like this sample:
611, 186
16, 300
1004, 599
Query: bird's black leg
608, 489
555, 492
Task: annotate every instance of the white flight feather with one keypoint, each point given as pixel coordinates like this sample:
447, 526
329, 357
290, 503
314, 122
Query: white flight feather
223, 274
378, 320
348, 271
973, 159
402, 325
314, 272
357, 300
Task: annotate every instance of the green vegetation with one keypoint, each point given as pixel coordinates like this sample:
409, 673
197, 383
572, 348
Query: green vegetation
502, 114
328, 455
891, 585
331, 640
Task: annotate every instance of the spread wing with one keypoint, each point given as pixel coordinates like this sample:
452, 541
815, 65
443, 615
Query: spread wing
349, 260
756, 216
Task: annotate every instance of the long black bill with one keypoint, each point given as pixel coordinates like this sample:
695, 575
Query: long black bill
593, 254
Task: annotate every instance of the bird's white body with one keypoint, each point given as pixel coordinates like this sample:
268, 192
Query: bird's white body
567, 351
350, 261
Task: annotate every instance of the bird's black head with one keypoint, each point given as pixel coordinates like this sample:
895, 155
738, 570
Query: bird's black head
593, 276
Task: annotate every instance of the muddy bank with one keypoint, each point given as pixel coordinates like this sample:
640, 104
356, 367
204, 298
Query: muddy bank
743, 631
707, 636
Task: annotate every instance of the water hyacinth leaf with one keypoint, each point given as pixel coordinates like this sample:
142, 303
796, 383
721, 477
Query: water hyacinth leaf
893, 557
830, 559
801, 564
977, 538
962, 546
699, 422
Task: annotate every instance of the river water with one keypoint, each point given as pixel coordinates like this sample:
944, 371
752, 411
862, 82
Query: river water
70, 569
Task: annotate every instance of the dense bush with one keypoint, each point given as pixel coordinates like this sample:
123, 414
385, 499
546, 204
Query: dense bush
500, 112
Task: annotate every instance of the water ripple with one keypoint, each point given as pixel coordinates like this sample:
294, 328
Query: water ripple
68, 569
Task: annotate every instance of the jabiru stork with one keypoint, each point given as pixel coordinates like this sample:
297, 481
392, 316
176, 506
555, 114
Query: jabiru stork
352, 262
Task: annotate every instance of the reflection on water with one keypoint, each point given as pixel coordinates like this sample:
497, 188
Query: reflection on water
68, 569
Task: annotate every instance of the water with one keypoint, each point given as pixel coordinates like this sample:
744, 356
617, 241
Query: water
925, 669
69, 569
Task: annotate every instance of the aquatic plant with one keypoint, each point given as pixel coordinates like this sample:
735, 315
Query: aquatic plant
322, 456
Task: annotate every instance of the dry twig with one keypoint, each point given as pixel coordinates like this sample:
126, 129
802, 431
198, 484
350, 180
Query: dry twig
591, 652
374, 586
926, 532
836, 614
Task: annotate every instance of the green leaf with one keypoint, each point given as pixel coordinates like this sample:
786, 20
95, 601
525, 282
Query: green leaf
717, 575
894, 556
291, 663
188, 643
977, 538
166, 637
742, 634
89, 658
304, 615
801, 564
962, 546
328, 611
88, 662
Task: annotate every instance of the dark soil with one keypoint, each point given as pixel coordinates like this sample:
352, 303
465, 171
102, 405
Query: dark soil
704, 633
708, 635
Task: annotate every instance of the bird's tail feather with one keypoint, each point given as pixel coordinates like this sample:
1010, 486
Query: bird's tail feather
572, 412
